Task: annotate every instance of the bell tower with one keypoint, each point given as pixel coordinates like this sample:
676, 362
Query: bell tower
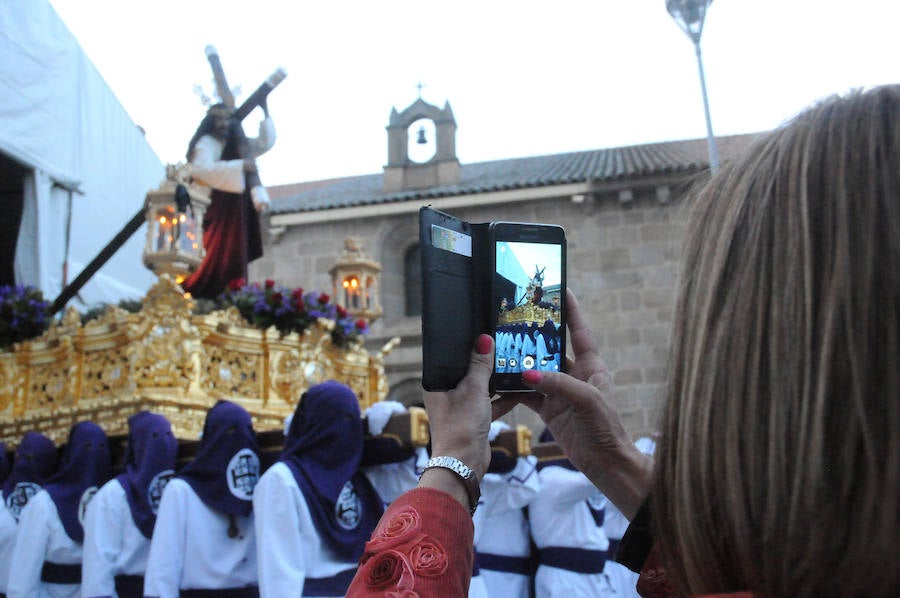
421, 148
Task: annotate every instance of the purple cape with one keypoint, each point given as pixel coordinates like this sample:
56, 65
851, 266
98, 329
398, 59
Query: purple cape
35, 462
323, 450
226, 468
149, 464
85, 466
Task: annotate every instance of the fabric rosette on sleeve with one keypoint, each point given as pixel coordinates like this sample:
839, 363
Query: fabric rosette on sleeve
398, 553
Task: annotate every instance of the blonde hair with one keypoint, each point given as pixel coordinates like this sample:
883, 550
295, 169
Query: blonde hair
778, 465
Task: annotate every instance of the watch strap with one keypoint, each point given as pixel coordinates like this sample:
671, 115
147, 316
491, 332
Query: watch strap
465, 473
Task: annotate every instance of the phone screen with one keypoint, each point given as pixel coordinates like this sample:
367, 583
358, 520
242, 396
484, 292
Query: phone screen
529, 288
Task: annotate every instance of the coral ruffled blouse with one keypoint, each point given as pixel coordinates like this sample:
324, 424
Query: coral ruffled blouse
422, 547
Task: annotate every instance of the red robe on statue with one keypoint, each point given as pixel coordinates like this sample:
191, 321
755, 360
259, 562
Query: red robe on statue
232, 238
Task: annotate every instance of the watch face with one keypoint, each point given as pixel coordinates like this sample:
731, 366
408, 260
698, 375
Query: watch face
422, 140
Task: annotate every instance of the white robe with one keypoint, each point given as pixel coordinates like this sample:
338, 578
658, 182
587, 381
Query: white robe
289, 548
8, 528
501, 528
544, 360
560, 516
191, 549
227, 175
113, 545
621, 578
41, 537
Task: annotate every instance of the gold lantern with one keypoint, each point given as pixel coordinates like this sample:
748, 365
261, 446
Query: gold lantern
354, 280
175, 212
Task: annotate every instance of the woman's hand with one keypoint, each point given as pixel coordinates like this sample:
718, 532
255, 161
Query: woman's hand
460, 420
578, 409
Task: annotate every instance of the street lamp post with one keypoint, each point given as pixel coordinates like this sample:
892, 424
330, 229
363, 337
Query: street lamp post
689, 15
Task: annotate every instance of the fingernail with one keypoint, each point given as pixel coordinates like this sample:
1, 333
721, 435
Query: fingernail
483, 344
531, 376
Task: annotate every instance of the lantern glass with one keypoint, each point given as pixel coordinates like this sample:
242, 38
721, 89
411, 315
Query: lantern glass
370, 284
351, 291
175, 232
188, 237
174, 243
164, 229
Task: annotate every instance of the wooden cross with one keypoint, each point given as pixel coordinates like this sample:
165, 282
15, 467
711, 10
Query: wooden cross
219, 75
255, 99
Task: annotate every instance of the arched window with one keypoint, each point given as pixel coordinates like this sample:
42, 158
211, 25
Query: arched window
412, 279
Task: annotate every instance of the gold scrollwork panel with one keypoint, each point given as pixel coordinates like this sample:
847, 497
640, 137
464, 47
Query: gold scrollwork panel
230, 373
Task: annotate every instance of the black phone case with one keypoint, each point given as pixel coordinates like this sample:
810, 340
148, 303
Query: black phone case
455, 299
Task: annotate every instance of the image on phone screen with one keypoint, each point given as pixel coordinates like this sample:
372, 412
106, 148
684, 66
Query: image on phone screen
528, 287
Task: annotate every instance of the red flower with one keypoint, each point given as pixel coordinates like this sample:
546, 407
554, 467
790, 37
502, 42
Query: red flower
299, 305
341, 312
402, 528
389, 570
324, 298
277, 298
270, 283
361, 324
236, 284
297, 294
428, 558
401, 524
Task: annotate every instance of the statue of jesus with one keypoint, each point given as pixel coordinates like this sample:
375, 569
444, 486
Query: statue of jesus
223, 159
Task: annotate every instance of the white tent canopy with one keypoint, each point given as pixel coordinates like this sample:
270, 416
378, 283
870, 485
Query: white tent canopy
88, 166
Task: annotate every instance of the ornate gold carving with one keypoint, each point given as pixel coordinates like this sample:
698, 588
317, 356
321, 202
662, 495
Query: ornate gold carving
528, 313
523, 437
420, 435
515, 442
10, 380
167, 360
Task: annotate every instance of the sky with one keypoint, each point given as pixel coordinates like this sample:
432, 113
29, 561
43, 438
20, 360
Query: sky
523, 77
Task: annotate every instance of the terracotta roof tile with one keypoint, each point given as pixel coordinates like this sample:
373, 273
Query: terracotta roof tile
611, 164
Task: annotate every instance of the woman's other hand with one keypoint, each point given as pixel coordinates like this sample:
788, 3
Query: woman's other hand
578, 409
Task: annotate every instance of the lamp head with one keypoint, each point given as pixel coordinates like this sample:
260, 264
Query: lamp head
689, 15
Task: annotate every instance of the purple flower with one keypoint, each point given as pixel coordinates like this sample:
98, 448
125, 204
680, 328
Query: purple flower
23, 314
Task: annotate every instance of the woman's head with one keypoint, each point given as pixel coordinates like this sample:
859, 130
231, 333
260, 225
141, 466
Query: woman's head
779, 462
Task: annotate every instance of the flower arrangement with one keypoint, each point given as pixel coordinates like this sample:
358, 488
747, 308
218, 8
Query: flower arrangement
23, 314
291, 310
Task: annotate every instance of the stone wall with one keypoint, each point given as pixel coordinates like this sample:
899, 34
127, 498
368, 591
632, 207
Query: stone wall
622, 266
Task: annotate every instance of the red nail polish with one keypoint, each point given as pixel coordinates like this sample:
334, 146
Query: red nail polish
483, 344
531, 376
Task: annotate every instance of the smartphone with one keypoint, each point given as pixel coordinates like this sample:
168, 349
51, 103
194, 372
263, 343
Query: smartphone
528, 290
455, 261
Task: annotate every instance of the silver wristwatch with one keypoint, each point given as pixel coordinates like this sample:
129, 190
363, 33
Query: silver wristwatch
473, 489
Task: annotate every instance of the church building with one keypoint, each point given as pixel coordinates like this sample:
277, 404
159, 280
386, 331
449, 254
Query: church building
621, 208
